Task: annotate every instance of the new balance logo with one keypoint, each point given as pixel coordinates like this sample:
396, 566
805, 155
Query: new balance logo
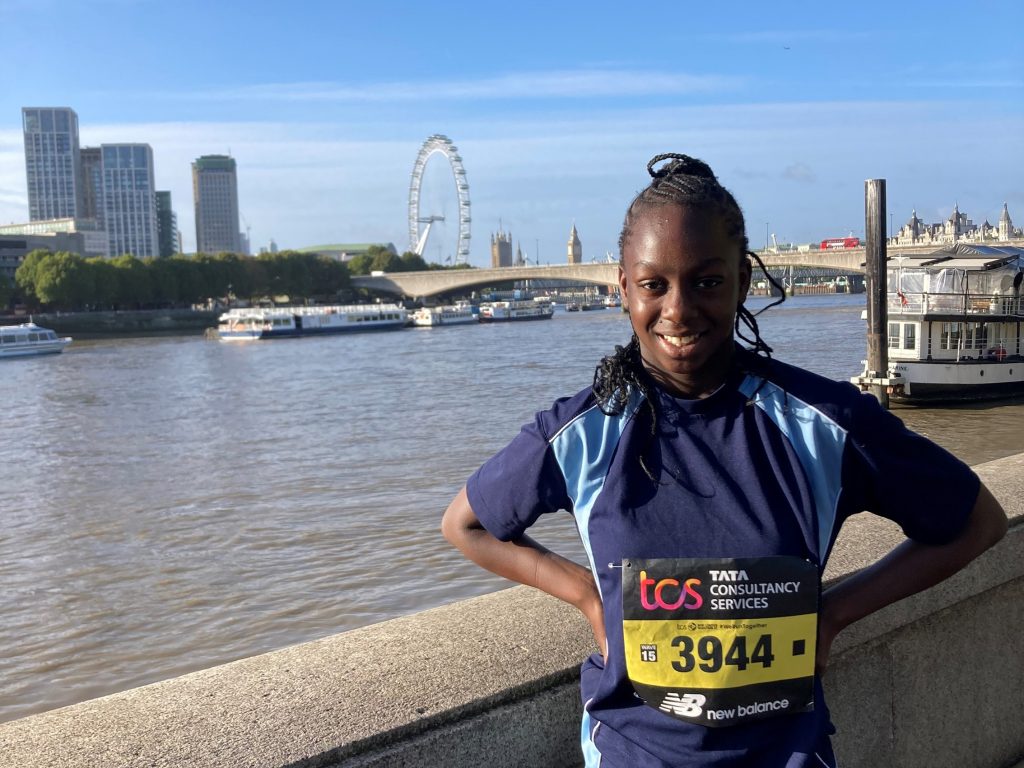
685, 705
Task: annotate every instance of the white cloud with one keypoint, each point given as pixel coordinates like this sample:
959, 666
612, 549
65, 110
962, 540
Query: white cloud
564, 84
799, 172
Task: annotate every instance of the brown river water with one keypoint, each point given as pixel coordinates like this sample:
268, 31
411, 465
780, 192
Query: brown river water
171, 503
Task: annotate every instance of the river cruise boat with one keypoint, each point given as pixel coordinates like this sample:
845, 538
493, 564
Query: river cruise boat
954, 326
249, 323
29, 339
502, 311
456, 314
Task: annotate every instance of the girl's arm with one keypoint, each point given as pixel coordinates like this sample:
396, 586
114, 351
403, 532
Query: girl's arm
525, 561
909, 568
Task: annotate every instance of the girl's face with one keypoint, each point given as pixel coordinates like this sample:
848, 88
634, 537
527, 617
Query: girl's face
682, 280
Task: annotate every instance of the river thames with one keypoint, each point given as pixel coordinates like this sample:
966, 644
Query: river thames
170, 503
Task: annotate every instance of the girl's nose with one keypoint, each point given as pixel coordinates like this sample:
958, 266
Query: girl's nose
676, 305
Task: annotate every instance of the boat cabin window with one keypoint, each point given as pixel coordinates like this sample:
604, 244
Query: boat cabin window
909, 336
894, 335
976, 336
33, 336
950, 338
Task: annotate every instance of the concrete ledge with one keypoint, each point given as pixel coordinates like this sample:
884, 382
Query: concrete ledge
934, 681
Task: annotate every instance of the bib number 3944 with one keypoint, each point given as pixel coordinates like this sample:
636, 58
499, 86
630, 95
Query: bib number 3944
721, 641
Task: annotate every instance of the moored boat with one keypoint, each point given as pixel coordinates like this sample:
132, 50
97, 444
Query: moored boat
28, 339
954, 326
244, 324
502, 311
456, 314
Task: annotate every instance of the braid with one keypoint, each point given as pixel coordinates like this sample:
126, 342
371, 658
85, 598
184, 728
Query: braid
614, 377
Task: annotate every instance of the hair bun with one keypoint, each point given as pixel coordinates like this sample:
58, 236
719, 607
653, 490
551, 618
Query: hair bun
683, 165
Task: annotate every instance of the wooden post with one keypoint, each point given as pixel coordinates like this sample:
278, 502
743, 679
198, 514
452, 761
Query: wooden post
875, 274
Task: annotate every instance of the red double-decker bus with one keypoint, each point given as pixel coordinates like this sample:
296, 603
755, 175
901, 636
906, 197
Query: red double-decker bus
838, 243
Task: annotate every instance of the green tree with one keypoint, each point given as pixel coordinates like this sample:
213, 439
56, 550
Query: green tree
164, 281
135, 284
359, 265
105, 285
329, 277
413, 262
190, 279
385, 261
25, 275
6, 291
64, 280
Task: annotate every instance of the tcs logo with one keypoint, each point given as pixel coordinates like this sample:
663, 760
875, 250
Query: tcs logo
684, 596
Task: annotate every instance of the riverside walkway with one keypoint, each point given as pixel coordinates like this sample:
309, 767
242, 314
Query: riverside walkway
936, 681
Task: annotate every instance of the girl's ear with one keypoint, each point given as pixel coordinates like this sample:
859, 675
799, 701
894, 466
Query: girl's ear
746, 271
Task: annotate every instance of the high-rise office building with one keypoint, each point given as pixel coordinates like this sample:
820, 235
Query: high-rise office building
215, 191
51, 162
90, 182
129, 199
166, 226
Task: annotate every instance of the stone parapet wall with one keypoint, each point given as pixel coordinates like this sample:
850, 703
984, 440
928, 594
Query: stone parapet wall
936, 681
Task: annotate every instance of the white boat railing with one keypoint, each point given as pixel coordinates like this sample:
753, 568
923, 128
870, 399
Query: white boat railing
911, 303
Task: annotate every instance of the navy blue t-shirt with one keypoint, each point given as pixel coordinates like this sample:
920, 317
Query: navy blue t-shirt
770, 464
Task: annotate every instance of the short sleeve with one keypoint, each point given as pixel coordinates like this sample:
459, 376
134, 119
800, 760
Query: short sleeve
903, 476
518, 484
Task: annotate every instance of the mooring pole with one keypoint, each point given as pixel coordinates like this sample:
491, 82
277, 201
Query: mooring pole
874, 270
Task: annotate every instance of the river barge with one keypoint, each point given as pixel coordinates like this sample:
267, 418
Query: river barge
504, 311
954, 326
454, 314
251, 323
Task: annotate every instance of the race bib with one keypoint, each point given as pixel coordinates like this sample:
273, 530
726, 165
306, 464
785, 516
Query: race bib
721, 641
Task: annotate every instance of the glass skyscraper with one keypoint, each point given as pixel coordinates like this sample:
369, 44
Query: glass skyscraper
129, 199
51, 162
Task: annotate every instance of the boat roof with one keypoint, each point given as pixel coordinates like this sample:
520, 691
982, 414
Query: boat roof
23, 327
965, 256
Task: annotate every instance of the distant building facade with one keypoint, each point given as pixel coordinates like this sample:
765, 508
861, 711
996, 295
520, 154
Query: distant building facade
501, 249
958, 227
85, 239
90, 180
129, 199
215, 192
575, 247
166, 226
51, 162
14, 248
336, 251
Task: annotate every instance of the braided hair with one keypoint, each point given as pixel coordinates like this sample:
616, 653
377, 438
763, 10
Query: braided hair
687, 182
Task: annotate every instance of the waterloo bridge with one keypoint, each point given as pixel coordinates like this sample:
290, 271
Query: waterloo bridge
421, 285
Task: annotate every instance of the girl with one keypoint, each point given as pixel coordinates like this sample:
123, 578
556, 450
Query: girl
708, 483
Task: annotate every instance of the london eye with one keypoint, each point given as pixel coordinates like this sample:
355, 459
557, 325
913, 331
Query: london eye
419, 225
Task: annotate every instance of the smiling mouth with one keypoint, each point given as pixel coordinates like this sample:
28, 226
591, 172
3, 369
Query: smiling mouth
681, 341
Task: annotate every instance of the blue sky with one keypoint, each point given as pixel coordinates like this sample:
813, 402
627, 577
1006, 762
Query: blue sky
555, 108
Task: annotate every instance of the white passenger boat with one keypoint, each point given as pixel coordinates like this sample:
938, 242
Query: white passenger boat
456, 314
954, 326
29, 339
501, 311
243, 324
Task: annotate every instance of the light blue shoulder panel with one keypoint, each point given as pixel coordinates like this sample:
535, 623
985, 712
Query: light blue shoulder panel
583, 449
818, 442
